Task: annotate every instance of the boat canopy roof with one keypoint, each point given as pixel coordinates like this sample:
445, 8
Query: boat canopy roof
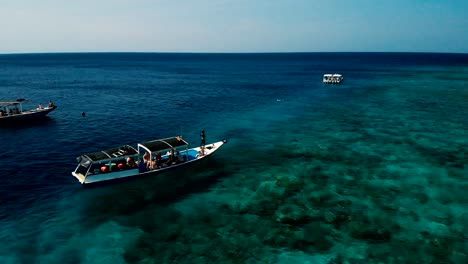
12, 102
9, 103
125, 150
327, 75
163, 144
336, 75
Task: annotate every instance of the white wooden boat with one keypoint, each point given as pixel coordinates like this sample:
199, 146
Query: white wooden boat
332, 78
12, 111
148, 158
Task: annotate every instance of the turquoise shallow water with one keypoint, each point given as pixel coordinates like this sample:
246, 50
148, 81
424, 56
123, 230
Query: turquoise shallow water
370, 171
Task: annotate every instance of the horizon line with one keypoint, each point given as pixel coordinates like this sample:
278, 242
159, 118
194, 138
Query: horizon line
245, 52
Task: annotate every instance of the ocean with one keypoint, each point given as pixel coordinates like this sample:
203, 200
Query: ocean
373, 170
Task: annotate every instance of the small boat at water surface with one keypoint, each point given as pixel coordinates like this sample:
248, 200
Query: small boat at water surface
332, 78
12, 111
148, 158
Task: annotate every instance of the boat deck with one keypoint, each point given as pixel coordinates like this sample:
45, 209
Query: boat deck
191, 154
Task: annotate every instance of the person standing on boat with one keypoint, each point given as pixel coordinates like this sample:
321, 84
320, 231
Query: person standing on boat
202, 137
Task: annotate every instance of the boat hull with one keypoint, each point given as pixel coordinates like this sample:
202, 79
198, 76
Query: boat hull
27, 115
132, 173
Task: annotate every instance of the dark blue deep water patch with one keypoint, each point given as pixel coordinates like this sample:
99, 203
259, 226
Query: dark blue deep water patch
370, 171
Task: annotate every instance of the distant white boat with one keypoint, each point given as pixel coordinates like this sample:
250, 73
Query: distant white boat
332, 78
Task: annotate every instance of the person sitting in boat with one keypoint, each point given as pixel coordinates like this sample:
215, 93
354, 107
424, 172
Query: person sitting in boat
159, 159
131, 163
157, 162
201, 152
179, 158
167, 163
172, 157
146, 157
39, 107
152, 164
51, 104
170, 160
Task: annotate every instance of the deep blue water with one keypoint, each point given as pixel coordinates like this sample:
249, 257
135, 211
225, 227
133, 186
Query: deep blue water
374, 169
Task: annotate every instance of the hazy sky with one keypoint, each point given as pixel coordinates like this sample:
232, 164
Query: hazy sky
233, 25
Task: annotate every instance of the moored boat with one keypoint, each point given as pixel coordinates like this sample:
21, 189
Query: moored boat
332, 78
148, 158
12, 111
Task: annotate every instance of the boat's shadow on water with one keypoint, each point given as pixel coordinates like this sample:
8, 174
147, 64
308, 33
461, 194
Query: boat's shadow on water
105, 201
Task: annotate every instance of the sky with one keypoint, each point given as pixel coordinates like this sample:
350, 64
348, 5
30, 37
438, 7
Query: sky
30, 26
